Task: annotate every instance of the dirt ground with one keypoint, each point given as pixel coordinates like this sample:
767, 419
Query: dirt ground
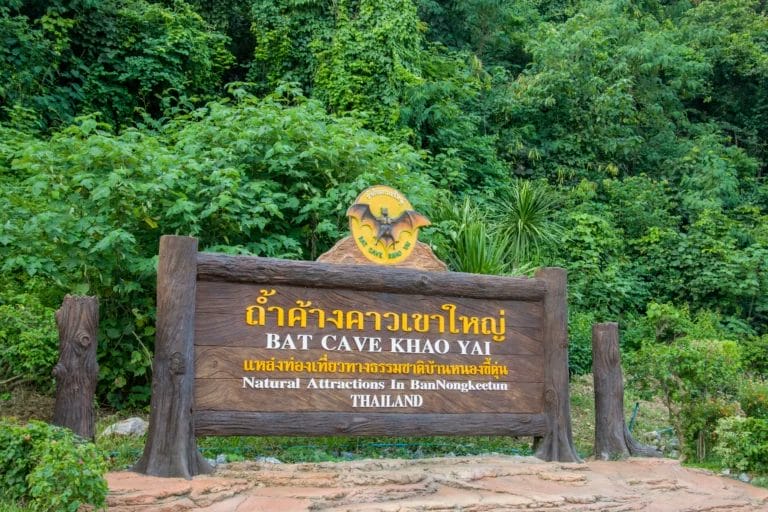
461, 484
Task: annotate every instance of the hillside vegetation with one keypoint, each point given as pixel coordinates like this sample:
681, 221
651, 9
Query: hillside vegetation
625, 140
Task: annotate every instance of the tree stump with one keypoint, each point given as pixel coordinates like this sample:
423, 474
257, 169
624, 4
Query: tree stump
612, 437
171, 448
77, 371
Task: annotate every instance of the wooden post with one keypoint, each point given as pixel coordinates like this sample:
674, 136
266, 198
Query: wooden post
612, 437
558, 443
76, 372
171, 448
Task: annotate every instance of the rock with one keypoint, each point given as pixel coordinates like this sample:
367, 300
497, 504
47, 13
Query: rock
129, 427
652, 436
744, 477
221, 459
725, 472
346, 252
268, 460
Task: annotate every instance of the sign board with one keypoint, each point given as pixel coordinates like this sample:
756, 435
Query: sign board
260, 346
295, 348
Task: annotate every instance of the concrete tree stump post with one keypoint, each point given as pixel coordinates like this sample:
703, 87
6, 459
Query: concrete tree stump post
76, 372
171, 448
612, 437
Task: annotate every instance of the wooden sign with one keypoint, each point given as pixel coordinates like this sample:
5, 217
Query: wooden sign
303, 348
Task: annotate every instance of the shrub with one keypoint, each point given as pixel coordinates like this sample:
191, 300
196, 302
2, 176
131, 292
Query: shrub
699, 420
753, 397
580, 342
29, 340
696, 379
755, 355
742, 443
49, 468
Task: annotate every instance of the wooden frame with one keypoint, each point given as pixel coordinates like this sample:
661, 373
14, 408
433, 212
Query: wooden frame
174, 421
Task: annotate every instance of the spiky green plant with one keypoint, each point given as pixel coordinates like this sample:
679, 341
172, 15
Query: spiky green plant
473, 244
523, 213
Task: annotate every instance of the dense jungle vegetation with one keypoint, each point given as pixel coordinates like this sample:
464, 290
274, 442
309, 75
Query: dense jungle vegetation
625, 140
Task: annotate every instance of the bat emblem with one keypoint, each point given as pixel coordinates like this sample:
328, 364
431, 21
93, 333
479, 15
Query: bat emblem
384, 225
387, 229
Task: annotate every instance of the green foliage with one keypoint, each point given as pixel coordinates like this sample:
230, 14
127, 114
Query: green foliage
603, 95
29, 339
470, 243
640, 203
580, 341
144, 55
742, 443
232, 18
731, 35
494, 31
717, 264
755, 355
697, 381
252, 176
49, 468
601, 277
753, 397
372, 55
30, 62
699, 420
284, 32
115, 57
525, 211
441, 113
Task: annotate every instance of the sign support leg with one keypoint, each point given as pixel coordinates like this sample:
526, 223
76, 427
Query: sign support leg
171, 448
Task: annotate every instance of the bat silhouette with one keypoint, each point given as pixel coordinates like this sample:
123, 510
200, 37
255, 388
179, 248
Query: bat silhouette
387, 229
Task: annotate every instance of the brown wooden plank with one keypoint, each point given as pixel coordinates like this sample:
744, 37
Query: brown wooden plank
244, 269
228, 362
234, 423
221, 317
230, 394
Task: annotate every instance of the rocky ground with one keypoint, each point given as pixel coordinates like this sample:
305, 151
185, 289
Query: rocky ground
466, 484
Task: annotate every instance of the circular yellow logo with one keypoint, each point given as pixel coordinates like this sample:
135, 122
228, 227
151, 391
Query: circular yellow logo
384, 225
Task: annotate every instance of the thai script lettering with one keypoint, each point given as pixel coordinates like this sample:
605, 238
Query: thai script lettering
324, 365
447, 321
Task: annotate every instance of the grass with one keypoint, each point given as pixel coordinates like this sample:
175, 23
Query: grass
650, 416
124, 451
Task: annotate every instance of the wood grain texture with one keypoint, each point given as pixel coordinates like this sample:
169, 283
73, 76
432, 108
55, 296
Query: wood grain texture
171, 449
229, 394
76, 372
242, 269
221, 315
557, 444
366, 424
612, 437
